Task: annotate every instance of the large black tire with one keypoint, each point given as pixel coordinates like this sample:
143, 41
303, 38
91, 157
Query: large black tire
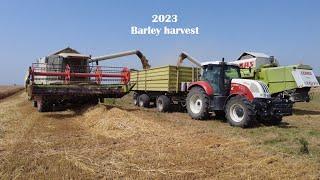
198, 103
163, 103
240, 112
135, 99
144, 100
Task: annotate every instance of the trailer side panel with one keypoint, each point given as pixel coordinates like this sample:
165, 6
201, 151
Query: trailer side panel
165, 78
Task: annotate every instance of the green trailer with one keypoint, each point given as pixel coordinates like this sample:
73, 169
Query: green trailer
169, 78
167, 82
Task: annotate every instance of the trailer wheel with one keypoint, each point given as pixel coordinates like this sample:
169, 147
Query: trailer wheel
163, 103
144, 100
240, 112
198, 103
135, 99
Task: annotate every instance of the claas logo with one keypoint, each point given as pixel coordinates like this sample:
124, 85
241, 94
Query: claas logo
246, 64
306, 73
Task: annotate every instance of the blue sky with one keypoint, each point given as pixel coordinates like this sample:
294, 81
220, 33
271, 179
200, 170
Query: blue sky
287, 29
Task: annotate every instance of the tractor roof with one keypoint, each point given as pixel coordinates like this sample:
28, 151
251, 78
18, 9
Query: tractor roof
217, 62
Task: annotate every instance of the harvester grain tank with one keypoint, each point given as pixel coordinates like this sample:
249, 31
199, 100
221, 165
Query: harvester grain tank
218, 90
68, 77
293, 82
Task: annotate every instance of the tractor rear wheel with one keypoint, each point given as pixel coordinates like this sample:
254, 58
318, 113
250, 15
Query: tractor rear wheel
163, 103
144, 100
198, 103
240, 112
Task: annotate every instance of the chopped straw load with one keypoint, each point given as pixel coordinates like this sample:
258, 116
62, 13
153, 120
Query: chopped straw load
114, 122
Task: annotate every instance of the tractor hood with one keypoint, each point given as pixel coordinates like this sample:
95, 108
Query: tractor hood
258, 88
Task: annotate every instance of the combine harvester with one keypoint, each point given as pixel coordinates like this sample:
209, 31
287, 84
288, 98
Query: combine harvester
218, 90
70, 77
292, 82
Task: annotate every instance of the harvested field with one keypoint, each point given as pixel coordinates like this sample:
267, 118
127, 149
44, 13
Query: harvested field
6, 91
123, 141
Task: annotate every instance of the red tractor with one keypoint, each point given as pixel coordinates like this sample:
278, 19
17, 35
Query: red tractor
243, 101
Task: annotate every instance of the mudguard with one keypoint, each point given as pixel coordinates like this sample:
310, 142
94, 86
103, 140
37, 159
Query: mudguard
205, 85
239, 89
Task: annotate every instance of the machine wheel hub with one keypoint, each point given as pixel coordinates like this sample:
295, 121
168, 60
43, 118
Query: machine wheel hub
196, 104
237, 112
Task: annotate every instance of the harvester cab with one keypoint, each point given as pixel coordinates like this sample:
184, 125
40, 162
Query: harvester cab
221, 90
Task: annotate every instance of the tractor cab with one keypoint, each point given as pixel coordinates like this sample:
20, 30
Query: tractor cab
219, 75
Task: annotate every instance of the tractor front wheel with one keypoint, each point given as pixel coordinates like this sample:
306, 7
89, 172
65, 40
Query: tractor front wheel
240, 112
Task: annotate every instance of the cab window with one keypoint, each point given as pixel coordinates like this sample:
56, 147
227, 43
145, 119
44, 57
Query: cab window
212, 75
231, 72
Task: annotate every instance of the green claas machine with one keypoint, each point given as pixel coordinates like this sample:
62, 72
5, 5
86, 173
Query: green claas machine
292, 82
213, 87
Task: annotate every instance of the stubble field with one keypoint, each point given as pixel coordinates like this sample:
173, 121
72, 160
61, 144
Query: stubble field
120, 140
